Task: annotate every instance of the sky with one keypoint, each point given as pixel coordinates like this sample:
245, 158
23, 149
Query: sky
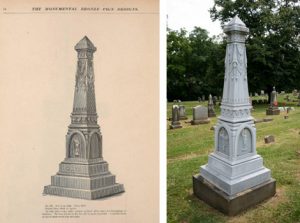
190, 13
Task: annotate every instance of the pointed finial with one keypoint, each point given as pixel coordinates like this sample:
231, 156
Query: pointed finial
86, 44
236, 24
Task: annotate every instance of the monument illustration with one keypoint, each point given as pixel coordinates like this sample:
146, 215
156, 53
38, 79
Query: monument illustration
234, 178
84, 173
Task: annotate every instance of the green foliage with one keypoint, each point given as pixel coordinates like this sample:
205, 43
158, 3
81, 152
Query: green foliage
188, 148
273, 43
195, 62
192, 59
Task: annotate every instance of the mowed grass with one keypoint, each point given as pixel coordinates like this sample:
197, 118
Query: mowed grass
188, 149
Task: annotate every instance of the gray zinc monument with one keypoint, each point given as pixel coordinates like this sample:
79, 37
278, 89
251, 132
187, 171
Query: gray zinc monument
175, 123
273, 107
234, 177
84, 173
211, 111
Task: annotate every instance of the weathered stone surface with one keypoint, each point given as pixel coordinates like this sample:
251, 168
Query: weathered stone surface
273, 107
200, 115
232, 205
269, 139
234, 167
84, 174
182, 115
175, 123
211, 110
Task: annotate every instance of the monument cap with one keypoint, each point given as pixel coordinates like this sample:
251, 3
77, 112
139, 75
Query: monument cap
85, 44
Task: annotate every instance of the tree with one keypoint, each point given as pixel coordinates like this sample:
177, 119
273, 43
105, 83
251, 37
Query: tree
273, 44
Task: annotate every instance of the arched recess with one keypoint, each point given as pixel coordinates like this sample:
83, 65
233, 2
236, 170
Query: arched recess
223, 141
77, 146
244, 143
95, 150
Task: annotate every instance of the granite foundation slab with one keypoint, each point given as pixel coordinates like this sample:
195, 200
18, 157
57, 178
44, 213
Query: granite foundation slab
235, 204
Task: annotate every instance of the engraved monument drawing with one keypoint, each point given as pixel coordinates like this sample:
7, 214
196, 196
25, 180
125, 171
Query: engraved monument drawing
84, 173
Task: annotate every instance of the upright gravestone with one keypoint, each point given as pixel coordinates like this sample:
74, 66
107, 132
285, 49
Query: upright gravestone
234, 178
211, 111
175, 123
182, 115
203, 97
200, 115
84, 173
273, 107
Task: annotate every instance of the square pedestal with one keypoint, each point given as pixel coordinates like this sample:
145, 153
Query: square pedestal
234, 204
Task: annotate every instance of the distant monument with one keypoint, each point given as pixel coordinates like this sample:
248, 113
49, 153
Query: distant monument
182, 115
234, 177
175, 124
211, 110
200, 115
273, 107
83, 173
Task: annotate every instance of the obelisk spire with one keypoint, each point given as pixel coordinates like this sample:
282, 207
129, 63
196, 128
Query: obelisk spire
84, 105
235, 100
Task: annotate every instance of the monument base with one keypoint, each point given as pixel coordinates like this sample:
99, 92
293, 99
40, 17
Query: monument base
175, 125
199, 122
232, 205
273, 111
84, 194
183, 118
85, 179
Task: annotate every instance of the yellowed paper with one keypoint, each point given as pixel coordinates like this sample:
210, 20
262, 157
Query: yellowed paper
38, 66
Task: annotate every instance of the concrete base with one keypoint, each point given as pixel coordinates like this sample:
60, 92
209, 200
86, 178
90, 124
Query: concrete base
274, 111
199, 122
232, 205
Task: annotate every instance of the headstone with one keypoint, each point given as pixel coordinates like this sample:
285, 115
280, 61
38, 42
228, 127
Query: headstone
83, 173
200, 115
214, 99
211, 111
234, 177
273, 107
295, 93
282, 92
255, 94
175, 124
251, 94
203, 97
179, 101
262, 92
199, 99
182, 115
269, 139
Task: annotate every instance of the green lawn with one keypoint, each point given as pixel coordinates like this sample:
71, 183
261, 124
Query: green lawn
188, 149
